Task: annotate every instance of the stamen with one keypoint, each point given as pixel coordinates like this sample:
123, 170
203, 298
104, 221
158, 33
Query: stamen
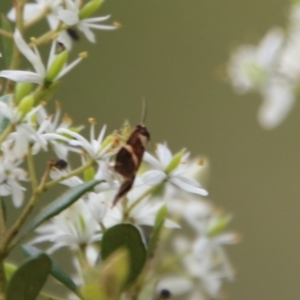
92, 121
117, 24
83, 54
201, 161
33, 40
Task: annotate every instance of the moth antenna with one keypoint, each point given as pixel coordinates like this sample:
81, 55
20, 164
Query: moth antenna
144, 111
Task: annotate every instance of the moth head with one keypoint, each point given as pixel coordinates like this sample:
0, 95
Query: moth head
143, 133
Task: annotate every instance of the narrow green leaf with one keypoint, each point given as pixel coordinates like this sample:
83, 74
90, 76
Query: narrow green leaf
56, 271
125, 236
3, 120
7, 42
29, 279
59, 204
159, 223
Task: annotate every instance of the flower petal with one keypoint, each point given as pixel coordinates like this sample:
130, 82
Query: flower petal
29, 54
22, 76
68, 17
188, 188
278, 101
153, 177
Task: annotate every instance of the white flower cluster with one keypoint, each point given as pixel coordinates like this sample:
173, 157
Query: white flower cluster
272, 68
163, 180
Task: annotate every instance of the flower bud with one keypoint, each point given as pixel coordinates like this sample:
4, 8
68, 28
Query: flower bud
89, 8
89, 174
218, 225
57, 65
22, 89
26, 105
174, 162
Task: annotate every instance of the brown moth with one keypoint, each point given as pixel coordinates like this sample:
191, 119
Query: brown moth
130, 156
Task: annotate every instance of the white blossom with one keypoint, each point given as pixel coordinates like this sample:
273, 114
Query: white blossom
74, 227
25, 131
93, 147
250, 66
70, 16
32, 10
10, 175
144, 213
178, 177
34, 58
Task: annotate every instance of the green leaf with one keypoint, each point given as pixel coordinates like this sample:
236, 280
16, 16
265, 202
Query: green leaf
9, 270
59, 204
159, 223
125, 236
7, 42
29, 279
3, 120
56, 271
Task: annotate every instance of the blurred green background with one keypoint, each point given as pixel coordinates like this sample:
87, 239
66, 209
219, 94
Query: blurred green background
172, 53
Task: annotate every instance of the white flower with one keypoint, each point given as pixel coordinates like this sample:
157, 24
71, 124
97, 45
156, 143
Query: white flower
94, 147
35, 59
144, 213
250, 67
74, 227
48, 7
70, 16
178, 176
48, 125
25, 131
10, 175
97, 204
205, 263
32, 10
278, 100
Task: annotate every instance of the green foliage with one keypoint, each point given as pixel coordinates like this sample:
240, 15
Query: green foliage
29, 279
59, 204
9, 270
126, 236
56, 271
8, 43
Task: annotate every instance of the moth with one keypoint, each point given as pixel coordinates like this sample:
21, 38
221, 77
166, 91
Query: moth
129, 157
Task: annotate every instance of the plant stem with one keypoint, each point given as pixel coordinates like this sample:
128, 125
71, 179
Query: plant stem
2, 278
31, 169
67, 176
6, 132
2, 221
6, 33
48, 36
13, 231
16, 57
